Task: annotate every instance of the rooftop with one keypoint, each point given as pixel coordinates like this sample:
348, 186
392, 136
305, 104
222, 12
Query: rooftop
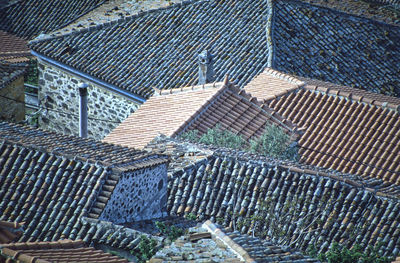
76, 147
197, 108
52, 189
57, 251
349, 130
28, 19
167, 52
246, 194
10, 72
13, 49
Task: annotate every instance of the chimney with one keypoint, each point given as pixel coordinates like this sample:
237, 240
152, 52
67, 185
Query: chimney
206, 68
83, 115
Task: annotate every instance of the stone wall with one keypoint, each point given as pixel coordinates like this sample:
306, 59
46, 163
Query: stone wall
59, 94
139, 195
333, 46
10, 110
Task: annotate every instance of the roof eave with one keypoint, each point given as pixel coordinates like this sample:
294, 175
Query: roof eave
69, 69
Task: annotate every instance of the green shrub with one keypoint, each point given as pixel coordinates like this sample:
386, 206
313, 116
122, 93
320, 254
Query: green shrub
147, 248
341, 254
274, 142
217, 137
172, 232
31, 76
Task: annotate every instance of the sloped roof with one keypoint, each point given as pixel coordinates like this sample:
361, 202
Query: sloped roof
323, 43
9, 231
380, 10
29, 18
58, 251
346, 129
10, 72
240, 193
196, 108
76, 147
159, 48
255, 249
13, 49
52, 189
309, 40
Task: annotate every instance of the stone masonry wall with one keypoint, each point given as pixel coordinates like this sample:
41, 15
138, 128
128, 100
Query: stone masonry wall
59, 94
11, 110
139, 195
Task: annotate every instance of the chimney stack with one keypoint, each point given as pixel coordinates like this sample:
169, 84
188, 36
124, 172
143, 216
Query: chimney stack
206, 68
83, 115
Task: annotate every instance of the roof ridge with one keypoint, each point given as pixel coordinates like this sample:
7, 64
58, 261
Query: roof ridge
67, 150
44, 37
204, 107
335, 91
287, 124
54, 152
164, 92
283, 76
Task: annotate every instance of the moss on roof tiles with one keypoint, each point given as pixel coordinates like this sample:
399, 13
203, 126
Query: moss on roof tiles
290, 208
29, 18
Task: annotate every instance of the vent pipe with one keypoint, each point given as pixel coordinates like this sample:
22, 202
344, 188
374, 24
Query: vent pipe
206, 68
83, 115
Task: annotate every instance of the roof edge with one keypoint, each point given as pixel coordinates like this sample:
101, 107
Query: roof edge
356, 98
112, 23
198, 113
285, 123
342, 12
111, 87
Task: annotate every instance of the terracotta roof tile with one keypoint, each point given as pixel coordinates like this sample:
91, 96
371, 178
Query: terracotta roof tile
60, 251
352, 133
13, 49
198, 108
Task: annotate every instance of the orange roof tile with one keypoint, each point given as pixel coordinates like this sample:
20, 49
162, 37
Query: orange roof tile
13, 49
346, 129
178, 110
59, 251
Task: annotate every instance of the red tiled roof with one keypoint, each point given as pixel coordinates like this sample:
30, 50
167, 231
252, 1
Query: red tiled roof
346, 129
59, 251
13, 48
199, 108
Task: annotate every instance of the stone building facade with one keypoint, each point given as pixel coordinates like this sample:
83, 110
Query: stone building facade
13, 109
59, 98
139, 195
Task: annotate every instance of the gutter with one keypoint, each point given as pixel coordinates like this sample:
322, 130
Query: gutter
113, 88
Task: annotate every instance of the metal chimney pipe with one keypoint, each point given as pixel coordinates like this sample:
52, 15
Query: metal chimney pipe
83, 115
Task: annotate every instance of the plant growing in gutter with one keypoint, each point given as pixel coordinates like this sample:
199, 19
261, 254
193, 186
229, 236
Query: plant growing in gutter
172, 232
339, 253
147, 248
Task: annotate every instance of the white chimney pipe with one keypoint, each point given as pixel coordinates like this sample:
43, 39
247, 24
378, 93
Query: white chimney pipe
83, 115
